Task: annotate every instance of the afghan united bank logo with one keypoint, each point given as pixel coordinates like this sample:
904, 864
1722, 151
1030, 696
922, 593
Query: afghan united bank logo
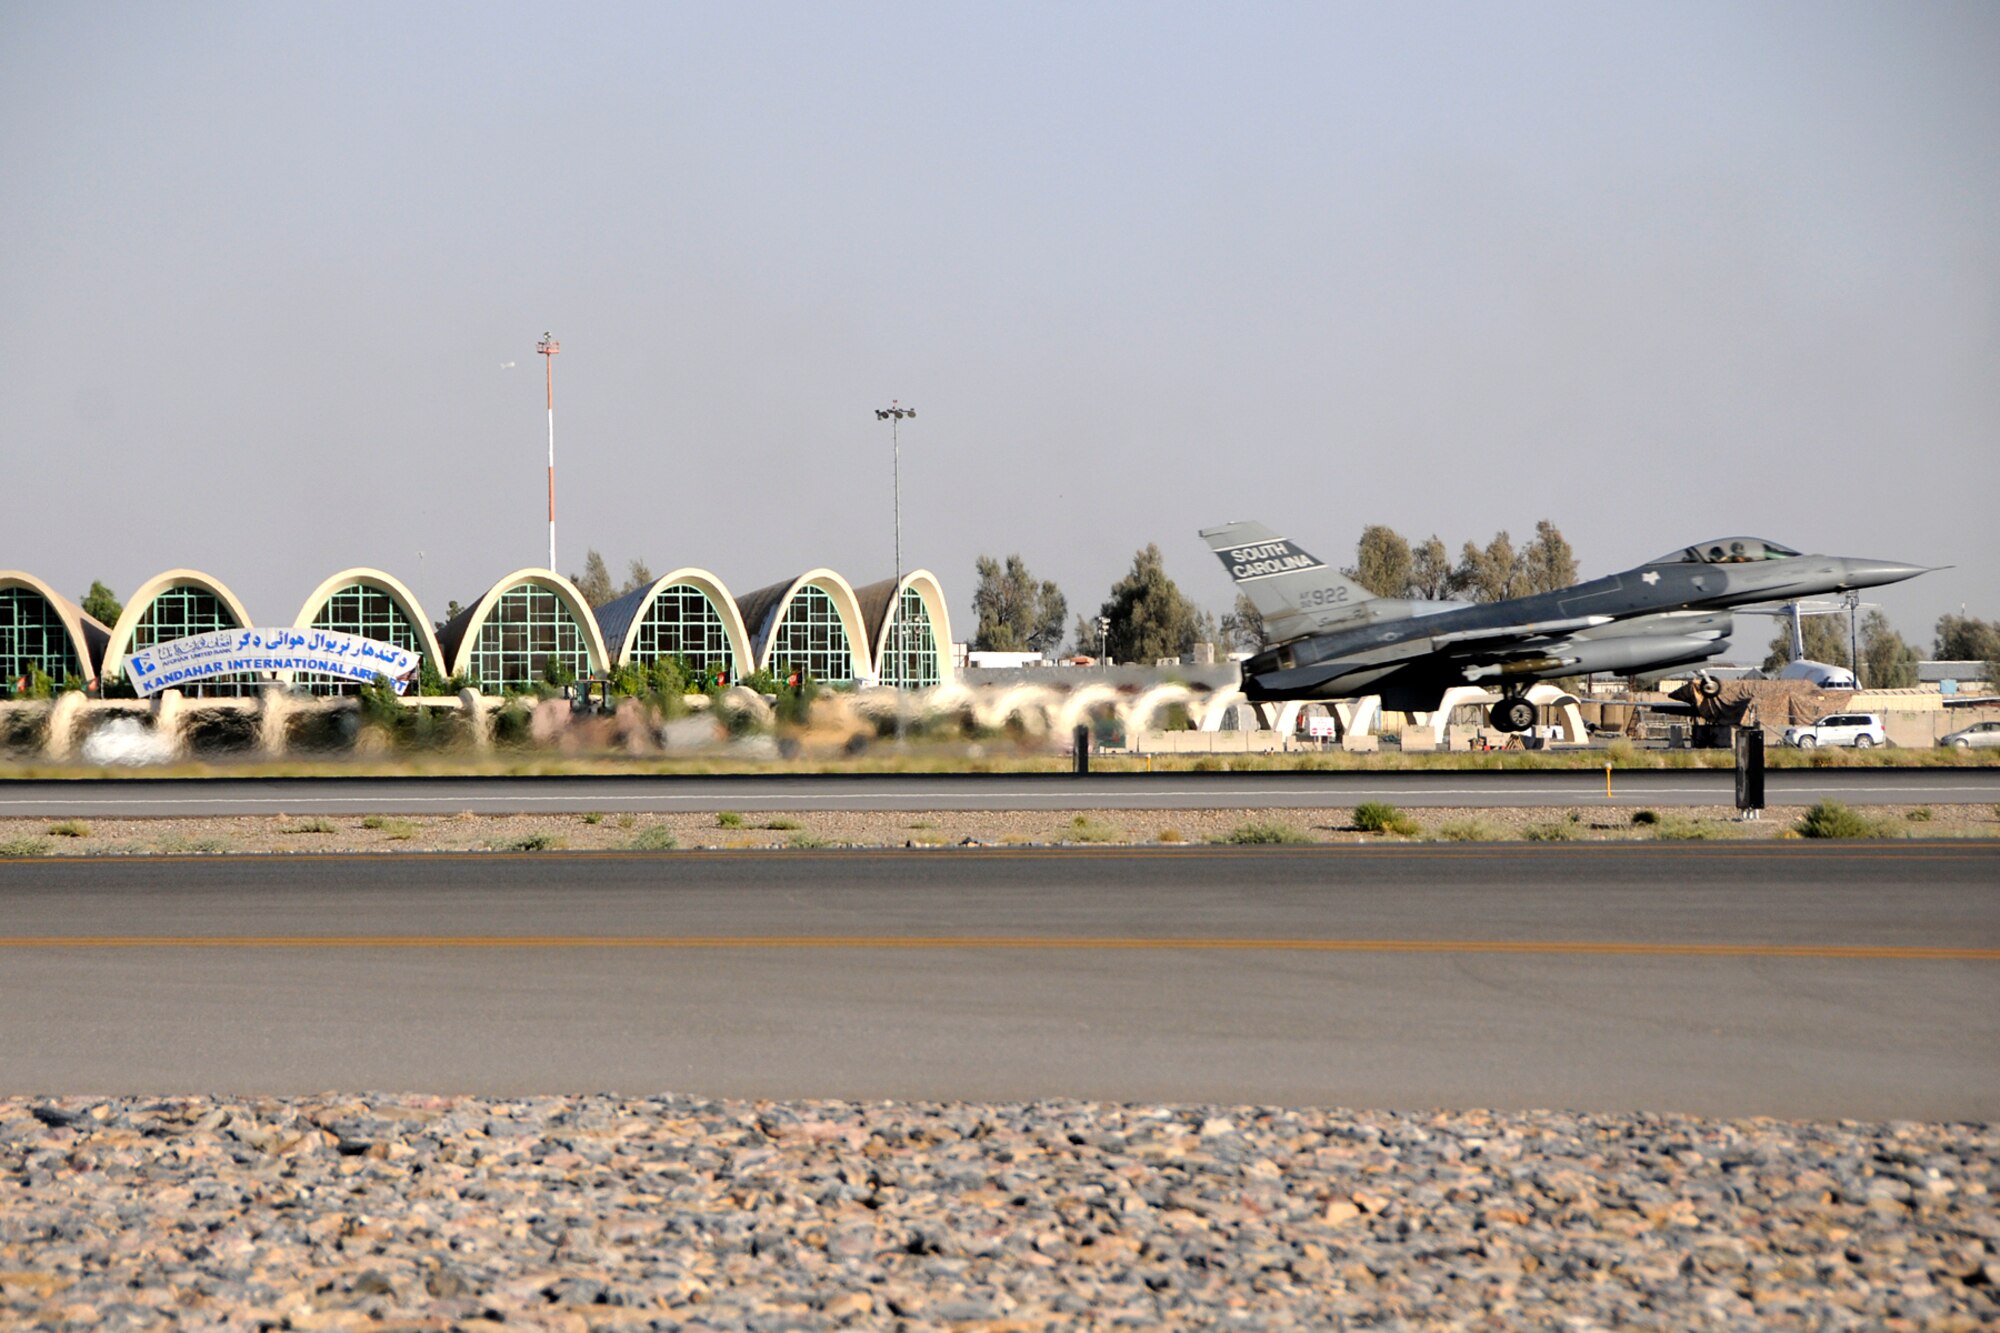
1267, 558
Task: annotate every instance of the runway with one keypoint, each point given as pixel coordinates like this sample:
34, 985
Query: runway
1770, 979
139, 797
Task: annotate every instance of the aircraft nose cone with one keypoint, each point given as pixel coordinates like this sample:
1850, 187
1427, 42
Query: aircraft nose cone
1869, 573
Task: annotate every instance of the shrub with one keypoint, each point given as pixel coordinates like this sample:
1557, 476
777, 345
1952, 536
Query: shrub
1680, 828
809, 840
24, 846
1549, 833
535, 842
1467, 830
1920, 815
1260, 832
593, 818
314, 825
397, 830
1171, 835
1082, 829
654, 839
69, 828
1381, 817
729, 819
781, 824
1831, 819
1641, 818
627, 820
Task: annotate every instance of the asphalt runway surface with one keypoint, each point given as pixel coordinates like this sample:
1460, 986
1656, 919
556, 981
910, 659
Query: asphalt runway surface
1785, 979
182, 797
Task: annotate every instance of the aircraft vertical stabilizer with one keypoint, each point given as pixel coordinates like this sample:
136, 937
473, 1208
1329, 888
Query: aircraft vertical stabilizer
1295, 592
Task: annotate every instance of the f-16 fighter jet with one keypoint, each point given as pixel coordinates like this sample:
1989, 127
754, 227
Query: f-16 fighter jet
1333, 639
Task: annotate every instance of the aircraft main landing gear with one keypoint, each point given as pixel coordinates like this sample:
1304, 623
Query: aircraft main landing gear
1513, 713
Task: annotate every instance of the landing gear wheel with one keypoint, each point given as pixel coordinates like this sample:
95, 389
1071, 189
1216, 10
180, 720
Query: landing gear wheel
1514, 714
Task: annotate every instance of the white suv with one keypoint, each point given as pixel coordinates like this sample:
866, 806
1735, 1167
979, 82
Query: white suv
1860, 730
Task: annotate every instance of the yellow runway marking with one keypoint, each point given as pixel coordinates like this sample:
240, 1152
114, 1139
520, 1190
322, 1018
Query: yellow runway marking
1898, 953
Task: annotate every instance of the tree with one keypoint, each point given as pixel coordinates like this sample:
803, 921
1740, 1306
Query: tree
1243, 628
452, 611
1150, 618
595, 581
637, 576
1430, 571
1825, 641
1967, 639
1489, 575
1970, 639
1086, 637
1889, 663
1016, 613
100, 604
1548, 563
1382, 562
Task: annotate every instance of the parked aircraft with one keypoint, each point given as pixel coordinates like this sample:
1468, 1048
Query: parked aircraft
1333, 639
1822, 675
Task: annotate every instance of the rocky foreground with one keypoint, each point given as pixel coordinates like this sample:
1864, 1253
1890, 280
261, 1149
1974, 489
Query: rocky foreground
682, 1213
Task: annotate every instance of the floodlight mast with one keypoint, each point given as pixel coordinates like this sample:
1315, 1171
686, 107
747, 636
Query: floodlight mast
548, 347
894, 414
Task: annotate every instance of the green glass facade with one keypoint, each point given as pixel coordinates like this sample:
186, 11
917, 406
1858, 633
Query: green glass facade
179, 612
812, 636
910, 659
368, 611
527, 628
33, 634
683, 622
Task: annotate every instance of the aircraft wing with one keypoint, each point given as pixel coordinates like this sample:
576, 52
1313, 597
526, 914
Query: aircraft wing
1534, 629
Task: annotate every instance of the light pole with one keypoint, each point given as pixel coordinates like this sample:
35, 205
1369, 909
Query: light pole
548, 347
894, 414
1104, 643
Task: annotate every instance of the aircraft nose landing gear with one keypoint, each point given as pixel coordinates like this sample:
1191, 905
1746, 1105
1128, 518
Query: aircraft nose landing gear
1513, 713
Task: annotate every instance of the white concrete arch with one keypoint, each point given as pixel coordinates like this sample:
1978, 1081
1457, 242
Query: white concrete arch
1033, 704
709, 586
71, 616
1081, 700
1215, 709
925, 585
1138, 713
845, 605
392, 588
120, 644
565, 592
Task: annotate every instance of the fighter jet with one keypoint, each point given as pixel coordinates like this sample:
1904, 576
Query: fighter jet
1333, 639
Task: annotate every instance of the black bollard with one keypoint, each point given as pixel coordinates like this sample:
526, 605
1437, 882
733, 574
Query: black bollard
1081, 739
1749, 771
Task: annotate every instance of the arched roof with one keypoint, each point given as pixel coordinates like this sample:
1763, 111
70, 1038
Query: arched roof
619, 620
763, 609
878, 598
87, 634
390, 586
461, 634
141, 601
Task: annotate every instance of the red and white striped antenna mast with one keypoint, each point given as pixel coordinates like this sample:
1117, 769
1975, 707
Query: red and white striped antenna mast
548, 347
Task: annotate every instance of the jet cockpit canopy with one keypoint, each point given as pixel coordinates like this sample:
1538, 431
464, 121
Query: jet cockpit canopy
1728, 551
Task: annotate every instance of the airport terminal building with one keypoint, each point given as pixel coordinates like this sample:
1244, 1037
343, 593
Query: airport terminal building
895, 633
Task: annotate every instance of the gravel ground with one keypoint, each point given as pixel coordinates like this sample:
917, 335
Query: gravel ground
384, 1212
752, 828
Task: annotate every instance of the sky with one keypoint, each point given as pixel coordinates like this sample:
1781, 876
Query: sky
273, 278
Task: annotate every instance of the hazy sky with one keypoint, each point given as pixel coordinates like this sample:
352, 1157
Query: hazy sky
1657, 273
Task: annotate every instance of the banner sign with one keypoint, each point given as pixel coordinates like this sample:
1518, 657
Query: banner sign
230, 651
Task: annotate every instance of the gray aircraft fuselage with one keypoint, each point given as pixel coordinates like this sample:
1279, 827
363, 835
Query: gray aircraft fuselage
1651, 617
